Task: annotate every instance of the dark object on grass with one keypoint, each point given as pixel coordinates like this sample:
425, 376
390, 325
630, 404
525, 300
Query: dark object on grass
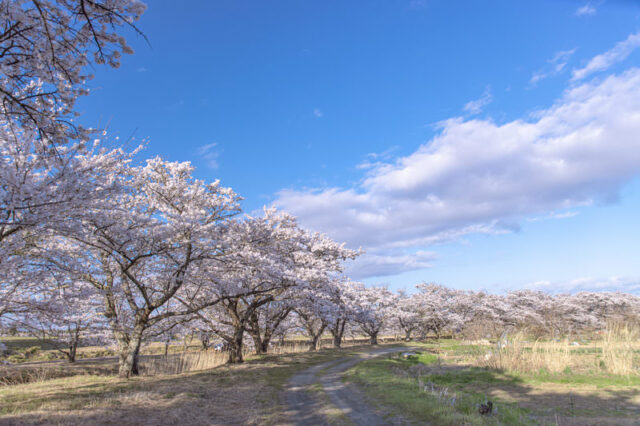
485, 409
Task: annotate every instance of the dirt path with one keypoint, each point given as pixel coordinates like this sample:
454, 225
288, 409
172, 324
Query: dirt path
305, 405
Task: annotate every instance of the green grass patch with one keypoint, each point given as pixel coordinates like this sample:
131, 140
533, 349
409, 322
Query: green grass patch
453, 407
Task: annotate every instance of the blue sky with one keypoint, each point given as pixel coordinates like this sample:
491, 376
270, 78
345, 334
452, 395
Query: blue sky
487, 145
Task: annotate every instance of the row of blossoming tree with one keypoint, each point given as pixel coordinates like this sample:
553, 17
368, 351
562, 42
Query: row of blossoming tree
96, 245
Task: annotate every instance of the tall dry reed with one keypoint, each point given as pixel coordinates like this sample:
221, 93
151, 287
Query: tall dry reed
616, 352
621, 350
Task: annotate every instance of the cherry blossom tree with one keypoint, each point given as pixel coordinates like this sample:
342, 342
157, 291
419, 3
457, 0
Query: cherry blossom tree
267, 321
374, 306
64, 314
435, 308
408, 317
45, 47
144, 253
343, 295
271, 257
42, 191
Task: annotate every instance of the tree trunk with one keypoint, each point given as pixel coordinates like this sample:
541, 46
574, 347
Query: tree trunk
407, 335
258, 344
204, 339
337, 331
73, 347
265, 346
314, 335
235, 346
129, 354
373, 338
254, 331
337, 341
313, 343
72, 351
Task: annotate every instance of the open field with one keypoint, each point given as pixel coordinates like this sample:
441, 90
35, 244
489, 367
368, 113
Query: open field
446, 381
443, 384
205, 397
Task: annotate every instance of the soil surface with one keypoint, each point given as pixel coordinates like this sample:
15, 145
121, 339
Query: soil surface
306, 405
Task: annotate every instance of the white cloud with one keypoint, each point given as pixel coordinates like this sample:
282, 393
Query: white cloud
478, 176
209, 154
476, 106
318, 113
554, 215
141, 69
587, 9
417, 4
617, 54
555, 66
377, 265
626, 285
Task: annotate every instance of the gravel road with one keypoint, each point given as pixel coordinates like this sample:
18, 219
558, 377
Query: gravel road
304, 407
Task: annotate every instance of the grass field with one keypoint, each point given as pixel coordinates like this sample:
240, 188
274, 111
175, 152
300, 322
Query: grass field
29, 349
443, 384
203, 397
449, 379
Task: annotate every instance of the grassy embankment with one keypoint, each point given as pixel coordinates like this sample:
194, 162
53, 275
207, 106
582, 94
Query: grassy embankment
528, 382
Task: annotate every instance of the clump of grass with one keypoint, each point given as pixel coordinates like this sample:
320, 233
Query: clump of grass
619, 345
183, 363
518, 355
178, 363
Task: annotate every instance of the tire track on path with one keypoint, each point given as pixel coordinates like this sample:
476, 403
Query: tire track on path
304, 408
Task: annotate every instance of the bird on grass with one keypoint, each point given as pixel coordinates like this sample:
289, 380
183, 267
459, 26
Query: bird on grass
485, 409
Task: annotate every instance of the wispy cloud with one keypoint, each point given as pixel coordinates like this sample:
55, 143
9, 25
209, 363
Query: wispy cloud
587, 9
417, 4
318, 113
209, 154
618, 53
141, 69
555, 215
374, 159
554, 66
476, 106
623, 284
175, 106
375, 265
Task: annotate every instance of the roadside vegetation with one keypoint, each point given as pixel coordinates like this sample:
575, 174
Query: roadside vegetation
528, 381
200, 397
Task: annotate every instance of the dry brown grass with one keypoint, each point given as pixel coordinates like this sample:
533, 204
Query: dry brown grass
185, 362
231, 394
616, 353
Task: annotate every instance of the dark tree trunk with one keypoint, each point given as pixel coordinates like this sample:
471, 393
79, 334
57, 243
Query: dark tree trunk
373, 338
313, 343
206, 342
314, 335
254, 331
71, 355
235, 346
73, 347
337, 331
258, 344
407, 335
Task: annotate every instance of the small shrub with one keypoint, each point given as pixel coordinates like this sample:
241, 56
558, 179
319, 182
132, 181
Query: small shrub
15, 358
31, 351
